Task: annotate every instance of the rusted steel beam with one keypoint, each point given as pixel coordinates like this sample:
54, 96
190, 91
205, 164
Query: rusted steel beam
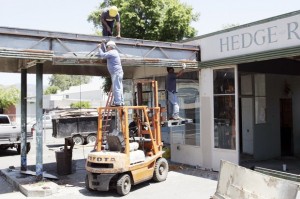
83, 37
125, 62
26, 54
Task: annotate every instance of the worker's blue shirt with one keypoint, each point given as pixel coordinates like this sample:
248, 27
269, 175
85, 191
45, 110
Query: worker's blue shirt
171, 82
106, 17
113, 60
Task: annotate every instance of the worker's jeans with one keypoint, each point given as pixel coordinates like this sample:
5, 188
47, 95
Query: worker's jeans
104, 28
117, 88
173, 100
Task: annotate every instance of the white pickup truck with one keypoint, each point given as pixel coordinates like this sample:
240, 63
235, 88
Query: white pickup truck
10, 134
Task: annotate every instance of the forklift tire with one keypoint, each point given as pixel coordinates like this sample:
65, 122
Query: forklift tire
87, 185
78, 140
124, 184
161, 170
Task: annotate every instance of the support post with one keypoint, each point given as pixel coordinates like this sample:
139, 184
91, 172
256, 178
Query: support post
39, 121
24, 119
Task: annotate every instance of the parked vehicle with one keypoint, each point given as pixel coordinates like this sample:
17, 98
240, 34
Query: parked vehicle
130, 154
80, 129
10, 134
47, 122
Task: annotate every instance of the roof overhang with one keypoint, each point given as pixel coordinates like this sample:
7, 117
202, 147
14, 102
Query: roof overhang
73, 54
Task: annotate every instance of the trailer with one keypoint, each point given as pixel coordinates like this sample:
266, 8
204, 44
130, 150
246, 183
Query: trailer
80, 129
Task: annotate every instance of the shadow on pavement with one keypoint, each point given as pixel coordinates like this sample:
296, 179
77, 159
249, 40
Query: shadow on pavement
8, 152
5, 186
194, 171
54, 145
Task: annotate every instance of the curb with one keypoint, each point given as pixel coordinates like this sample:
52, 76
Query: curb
27, 184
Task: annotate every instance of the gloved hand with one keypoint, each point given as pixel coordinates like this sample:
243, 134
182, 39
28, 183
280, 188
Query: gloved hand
183, 66
103, 41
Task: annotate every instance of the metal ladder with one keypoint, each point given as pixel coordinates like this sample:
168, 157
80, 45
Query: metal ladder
107, 116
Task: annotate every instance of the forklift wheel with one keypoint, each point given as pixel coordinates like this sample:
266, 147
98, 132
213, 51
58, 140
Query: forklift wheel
161, 170
124, 184
87, 185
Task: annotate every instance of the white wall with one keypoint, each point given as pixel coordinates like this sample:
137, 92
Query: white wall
88, 92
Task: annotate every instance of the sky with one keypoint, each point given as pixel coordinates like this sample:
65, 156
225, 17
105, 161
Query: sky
71, 16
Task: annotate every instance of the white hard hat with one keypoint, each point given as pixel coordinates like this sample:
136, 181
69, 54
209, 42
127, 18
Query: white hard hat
111, 44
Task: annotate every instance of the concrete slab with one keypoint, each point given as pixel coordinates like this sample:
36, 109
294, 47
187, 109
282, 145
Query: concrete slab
27, 184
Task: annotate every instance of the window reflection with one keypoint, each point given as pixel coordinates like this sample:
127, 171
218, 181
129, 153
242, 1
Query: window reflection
224, 109
189, 103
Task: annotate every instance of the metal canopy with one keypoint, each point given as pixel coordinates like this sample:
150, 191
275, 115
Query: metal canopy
74, 54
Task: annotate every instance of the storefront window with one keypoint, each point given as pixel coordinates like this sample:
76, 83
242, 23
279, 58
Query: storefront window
189, 103
224, 109
188, 97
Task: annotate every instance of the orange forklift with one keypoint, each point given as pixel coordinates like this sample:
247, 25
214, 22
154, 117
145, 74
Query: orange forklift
129, 152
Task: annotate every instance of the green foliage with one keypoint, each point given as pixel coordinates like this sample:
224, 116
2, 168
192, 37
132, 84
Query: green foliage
64, 82
226, 26
8, 96
51, 90
107, 84
81, 104
177, 22
163, 20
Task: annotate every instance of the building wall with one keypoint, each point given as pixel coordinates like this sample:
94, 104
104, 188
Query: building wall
206, 124
87, 92
31, 113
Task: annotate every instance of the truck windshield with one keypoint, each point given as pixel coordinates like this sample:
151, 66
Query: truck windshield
4, 120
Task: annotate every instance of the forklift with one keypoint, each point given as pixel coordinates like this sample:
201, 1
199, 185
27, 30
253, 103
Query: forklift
131, 151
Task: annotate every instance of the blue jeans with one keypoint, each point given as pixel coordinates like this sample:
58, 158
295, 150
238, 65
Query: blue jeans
173, 100
117, 88
104, 29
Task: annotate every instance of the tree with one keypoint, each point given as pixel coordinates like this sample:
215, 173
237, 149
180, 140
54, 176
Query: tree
163, 20
8, 96
51, 90
107, 84
64, 82
226, 26
81, 104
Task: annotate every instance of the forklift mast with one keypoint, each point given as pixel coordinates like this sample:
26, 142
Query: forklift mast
146, 119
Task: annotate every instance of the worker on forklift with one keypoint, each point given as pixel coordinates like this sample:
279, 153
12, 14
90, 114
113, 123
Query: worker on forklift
115, 69
108, 17
171, 89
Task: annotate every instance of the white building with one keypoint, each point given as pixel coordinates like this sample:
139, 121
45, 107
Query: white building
91, 92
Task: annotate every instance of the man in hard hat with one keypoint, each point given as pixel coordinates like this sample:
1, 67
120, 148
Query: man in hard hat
108, 17
115, 70
171, 89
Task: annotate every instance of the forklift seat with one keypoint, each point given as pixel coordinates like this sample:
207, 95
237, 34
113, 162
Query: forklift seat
114, 143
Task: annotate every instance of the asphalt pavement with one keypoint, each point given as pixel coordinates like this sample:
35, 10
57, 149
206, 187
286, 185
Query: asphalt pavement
182, 182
